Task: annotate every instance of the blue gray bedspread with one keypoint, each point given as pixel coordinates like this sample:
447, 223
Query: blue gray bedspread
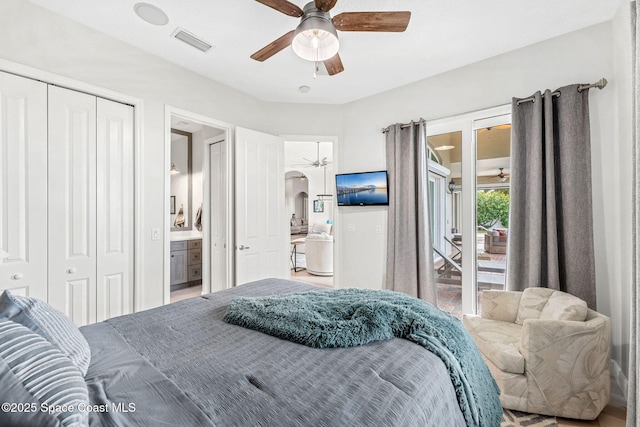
354, 317
180, 364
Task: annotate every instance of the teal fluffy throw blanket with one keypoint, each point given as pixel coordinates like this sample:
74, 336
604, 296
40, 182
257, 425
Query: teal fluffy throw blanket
352, 317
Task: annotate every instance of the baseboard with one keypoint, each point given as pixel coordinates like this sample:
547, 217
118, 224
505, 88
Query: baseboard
619, 377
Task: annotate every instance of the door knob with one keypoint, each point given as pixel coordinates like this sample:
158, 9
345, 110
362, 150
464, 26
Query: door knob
243, 247
71, 270
17, 276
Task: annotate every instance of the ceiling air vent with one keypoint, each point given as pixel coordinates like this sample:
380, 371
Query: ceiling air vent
191, 40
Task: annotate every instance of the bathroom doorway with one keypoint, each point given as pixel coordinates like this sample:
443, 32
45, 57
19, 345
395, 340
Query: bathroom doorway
196, 242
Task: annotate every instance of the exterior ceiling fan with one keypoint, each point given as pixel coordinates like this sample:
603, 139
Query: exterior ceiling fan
502, 176
316, 39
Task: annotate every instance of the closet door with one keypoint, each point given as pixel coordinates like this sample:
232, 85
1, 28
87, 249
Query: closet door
23, 186
72, 204
114, 209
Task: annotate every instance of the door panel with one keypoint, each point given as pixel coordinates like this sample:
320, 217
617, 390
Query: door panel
261, 235
217, 217
445, 217
23, 186
114, 211
78, 300
72, 203
178, 267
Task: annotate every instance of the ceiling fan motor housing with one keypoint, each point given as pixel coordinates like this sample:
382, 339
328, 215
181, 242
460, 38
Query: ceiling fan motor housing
316, 38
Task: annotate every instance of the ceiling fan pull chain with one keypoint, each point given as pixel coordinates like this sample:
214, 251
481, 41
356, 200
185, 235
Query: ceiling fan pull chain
315, 70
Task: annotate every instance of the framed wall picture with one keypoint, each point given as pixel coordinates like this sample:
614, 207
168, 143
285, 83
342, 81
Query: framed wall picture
172, 204
318, 206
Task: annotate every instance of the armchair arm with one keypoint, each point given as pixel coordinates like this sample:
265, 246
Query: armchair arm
567, 365
500, 305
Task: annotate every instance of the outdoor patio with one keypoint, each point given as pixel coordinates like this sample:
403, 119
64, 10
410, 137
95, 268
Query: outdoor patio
491, 270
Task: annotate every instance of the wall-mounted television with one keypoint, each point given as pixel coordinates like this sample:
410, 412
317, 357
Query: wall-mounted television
362, 188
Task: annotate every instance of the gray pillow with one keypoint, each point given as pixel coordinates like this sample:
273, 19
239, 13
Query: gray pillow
48, 322
39, 386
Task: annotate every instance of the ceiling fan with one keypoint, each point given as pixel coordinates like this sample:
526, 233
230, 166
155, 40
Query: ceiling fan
316, 39
502, 176
318, 162
490, 173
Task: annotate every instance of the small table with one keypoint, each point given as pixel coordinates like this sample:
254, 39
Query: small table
294, 252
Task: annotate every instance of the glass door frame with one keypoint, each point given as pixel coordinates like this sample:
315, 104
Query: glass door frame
468, 124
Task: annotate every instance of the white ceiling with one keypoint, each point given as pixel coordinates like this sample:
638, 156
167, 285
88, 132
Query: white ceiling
441, 36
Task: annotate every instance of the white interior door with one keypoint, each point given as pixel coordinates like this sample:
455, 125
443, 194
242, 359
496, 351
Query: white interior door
261, 234
23, 186
72, 204
114, 237
217, 217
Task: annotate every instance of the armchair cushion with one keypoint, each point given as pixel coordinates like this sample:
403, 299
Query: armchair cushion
498, 341
561, 306
500, 305
549, 304
532, 302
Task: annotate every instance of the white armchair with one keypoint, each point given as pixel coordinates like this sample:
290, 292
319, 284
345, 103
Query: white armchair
319, 254
547, 351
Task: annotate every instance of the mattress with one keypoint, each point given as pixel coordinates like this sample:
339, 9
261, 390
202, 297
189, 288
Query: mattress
180, 364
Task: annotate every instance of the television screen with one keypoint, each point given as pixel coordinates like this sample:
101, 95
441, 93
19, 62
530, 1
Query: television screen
362, 189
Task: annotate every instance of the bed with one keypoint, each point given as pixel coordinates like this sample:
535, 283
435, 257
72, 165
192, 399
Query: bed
181, 364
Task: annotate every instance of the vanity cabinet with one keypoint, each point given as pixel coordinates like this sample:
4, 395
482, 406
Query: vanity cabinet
186, 262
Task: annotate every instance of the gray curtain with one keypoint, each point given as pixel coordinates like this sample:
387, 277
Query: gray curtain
633, 396
409, 248
551, 220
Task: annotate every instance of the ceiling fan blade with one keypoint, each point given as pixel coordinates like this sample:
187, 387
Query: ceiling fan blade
274, 47
325, 5
283, 6
334, 65
488, 172
372, 21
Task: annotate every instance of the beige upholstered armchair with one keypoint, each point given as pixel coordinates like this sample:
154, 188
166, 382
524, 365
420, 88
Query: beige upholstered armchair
546, 350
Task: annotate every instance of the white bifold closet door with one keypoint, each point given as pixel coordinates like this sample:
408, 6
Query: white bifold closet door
90, 213
23, 186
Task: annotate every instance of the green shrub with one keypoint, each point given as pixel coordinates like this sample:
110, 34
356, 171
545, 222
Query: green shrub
493, 206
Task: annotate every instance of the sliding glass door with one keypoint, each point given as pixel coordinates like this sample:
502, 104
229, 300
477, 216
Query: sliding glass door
493, 174
464, 151
445, 169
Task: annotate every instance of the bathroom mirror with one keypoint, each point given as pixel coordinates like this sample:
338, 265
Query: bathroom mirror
180, 200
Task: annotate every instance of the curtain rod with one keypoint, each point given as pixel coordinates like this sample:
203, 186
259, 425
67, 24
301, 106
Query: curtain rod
600, 84
404, 125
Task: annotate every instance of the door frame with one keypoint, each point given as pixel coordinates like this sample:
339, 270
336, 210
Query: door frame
228, 136
22, 70
335, 230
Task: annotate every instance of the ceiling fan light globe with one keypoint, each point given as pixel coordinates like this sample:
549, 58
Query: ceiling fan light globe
315, 39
